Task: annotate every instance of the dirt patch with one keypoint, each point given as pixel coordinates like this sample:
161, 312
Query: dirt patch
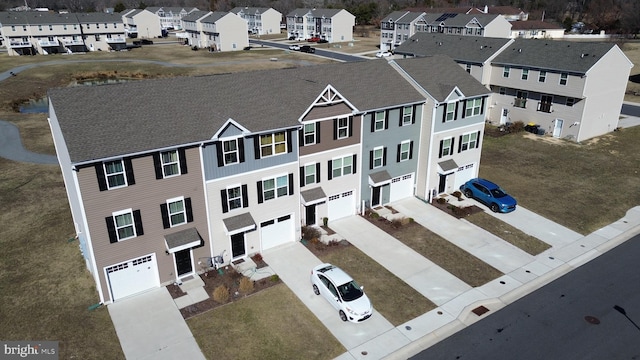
454, 210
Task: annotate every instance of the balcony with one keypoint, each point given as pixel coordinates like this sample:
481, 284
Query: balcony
48, 43
72, 42
521, 103
545, 107
116, 39
19, 44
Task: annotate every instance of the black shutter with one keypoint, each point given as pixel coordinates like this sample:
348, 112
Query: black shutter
444, 113
455, 114
245, 196
354, 164
317, 127
452, 145
225, 202
413, 114
482, 106
384, 156
165, 216
401, 117
370, 159
350, 126
219, 154
478, 141
291, 184
301, 136
302, 176
460, 144
157, 165
111, 229
464, 109
240, 150
373, 122
128, 168
317, 172
189, 209
102, 180
329, 170
335, 129
441, 146
137, 220
386, 119
399, 150
410, 150
259, 183
183, 161
289, 135
256, 146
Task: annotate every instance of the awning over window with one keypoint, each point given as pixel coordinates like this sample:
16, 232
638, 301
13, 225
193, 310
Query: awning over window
239, 223
313, 196
447, 166
182, 240
379, 178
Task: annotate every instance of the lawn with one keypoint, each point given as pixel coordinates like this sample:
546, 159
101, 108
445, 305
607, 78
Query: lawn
508, 233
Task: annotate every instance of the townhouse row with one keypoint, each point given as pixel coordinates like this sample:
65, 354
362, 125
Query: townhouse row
236, 164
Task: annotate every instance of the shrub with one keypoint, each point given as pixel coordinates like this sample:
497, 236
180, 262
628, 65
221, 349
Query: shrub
457, 194
274, 278
221, 294
441, 200
310, 233
396, 223
246, 285
517, 126
257, 257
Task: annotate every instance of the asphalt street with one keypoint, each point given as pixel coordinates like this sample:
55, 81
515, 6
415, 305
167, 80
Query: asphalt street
592, 312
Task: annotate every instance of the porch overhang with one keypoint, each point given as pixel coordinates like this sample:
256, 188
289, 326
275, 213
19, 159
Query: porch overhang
379, 178
182, 240
447, 166
313, 196
239, 223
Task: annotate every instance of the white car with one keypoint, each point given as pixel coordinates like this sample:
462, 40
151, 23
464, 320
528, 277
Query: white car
342, 292
381, 54
294, 47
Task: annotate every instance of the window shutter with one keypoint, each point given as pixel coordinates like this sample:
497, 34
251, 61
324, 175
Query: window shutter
318, 133
478, 140
350, 126
399, 150
241, 150
370, 159
219, 153
373, 122
289, 140
301, 136
384, 156
386, 119
354, 164
441, 148
102, 180
335, 129
165, 216
318, 172
482, 107
460, 144
225, 201
128, 168
401, 117
453, 143
291, 184
464, 109
256, 146
444, 112
410, 150
302, 174
245, 196
413, 114
183, 161
330, 170
137, 220
455, 114
259, 183
189, 209
157, 165
111, 229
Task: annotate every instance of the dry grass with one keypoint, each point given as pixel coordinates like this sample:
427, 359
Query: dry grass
632, 51
390, 296
508, 233
272, 324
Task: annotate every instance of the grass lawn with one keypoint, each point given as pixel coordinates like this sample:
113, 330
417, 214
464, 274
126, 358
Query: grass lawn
272, 324
390, 296
508, 233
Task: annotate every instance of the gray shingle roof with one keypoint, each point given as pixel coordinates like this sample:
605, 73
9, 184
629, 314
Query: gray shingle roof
49, 18
554, 55
466, 49
194, 15
327, 13
249, 10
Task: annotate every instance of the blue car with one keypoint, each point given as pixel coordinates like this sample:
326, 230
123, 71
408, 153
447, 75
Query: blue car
490, 194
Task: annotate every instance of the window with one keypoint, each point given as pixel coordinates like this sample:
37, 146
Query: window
407, 115
468, 68
474, 107
124, 225
404, 151
502, 91
521, 99
170, 163
378, 157
275, 187
469, 141
234, 197
525, 74
570, 101
542, 77
450, 112
273, 144
230, 151
505, 71
177, 212
545, 104
380, 123
114, 171
341, 166
446, 147
310, 174
342, 128
563, 78
309, 134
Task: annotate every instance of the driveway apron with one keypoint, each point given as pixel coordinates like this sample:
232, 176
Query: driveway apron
150, 326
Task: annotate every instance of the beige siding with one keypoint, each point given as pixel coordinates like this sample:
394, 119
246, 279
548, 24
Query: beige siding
326, 137
233, 33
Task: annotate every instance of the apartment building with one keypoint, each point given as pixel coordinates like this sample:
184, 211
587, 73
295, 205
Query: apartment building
333, 25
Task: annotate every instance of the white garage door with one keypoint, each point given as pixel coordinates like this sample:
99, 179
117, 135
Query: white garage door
276, 232
133, 276
464, 174
401, 187
341, 205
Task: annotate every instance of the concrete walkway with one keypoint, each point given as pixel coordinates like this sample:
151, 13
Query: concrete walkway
11, 147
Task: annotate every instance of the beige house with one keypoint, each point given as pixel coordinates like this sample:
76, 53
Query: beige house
217, 31
141, 24
171, 17
260, 21
333, 25
535, 29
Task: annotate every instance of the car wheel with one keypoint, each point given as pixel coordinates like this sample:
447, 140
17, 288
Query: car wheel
494, 207
316, 290
343, 316
468, 193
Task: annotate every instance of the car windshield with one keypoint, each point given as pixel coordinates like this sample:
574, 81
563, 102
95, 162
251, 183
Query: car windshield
350, 291
498, 193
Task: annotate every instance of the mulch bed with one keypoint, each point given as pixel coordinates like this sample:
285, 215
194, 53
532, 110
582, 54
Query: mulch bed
228, 277
452, 209
318, 248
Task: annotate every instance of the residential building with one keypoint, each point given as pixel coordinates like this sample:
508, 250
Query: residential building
171, 17
37, 32
217, 31
571, 90
260, 21
141, 23
159, 193
536, 29
510, 13
333, 25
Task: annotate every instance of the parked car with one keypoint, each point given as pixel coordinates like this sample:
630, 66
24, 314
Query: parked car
381, 54
313, 39
490, 194
146, 42
307, 49
247, 48
292, 37
294, 47
323, 41
342, 292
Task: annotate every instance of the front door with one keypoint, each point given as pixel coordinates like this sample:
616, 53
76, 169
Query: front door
375, 196
504, 116
442, 184
237, 245
183, 262
557, 130
310, 214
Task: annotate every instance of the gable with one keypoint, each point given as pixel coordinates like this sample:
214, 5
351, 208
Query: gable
327, 105
230, 129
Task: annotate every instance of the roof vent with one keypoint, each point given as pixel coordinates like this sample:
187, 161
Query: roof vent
440, 43
519, 50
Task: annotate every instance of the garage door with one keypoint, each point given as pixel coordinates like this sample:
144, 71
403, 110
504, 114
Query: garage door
464, 174
276, 232
133, 276
341, 205
401, 187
